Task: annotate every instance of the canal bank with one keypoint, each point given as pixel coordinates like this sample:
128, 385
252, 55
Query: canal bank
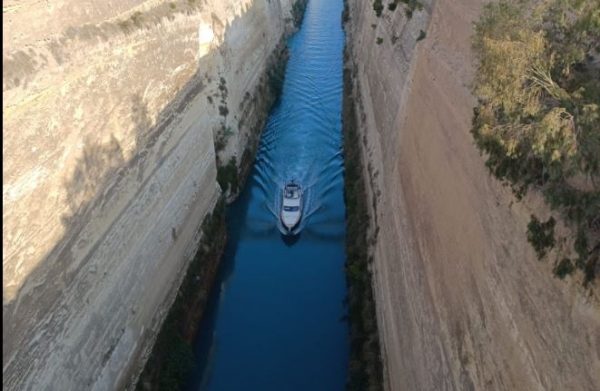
172, 357
365, 369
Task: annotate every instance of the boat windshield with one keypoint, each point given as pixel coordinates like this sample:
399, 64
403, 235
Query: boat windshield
291, 208
291, 193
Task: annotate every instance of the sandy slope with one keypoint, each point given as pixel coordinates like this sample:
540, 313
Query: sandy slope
463, 303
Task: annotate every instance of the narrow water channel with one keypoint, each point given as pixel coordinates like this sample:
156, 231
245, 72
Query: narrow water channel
276, 318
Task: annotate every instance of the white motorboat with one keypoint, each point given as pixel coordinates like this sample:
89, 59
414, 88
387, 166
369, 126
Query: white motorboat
291, 206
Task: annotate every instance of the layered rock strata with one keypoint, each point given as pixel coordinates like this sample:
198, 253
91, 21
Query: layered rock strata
110, 115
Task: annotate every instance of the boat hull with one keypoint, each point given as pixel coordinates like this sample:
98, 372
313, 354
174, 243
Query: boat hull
290, 223
291, 207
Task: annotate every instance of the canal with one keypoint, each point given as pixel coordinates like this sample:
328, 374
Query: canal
276, 318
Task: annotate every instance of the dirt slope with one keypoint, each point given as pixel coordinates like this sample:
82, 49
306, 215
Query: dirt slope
463, 303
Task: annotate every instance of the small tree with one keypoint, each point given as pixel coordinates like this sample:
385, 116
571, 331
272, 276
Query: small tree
538, 115
377, 7
541, 235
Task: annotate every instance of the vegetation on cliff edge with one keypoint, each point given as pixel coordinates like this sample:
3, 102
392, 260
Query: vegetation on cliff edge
538, 116
227, 176
409, 6
298, 9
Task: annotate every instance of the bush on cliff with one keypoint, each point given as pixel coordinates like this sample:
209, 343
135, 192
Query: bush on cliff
409, 6
538, 116
298, 9
541, 235
377, 7
563, 268
222, 138
227, 176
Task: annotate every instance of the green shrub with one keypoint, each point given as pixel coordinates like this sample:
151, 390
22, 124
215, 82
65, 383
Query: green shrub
221, 138
223, 110
422, 35
377, 7
541, 235
590, 270
379, 40
223, 88
179, 362
276, 76
581, 245
345, 16
564, 267
227, 176
298, 9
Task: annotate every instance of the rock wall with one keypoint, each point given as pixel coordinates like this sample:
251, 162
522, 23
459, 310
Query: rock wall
462, 301
110, 111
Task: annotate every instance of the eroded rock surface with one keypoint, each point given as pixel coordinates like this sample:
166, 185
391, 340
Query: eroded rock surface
463, 303
110, 113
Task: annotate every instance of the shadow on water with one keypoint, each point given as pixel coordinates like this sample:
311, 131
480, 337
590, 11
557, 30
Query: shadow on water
236, 214
290, 240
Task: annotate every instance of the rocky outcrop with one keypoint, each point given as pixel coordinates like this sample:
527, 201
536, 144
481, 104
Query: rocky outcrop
110, 117
462, 301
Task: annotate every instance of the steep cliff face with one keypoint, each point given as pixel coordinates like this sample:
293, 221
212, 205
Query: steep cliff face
110, 112
462, 301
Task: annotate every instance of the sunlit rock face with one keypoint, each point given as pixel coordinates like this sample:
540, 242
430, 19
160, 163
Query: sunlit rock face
462, 301
109, 167
205, 38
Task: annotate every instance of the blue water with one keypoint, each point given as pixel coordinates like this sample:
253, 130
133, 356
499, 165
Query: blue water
276, 320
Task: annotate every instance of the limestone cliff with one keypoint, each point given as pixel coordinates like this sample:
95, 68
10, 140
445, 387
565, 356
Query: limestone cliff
110, 113
462, 301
